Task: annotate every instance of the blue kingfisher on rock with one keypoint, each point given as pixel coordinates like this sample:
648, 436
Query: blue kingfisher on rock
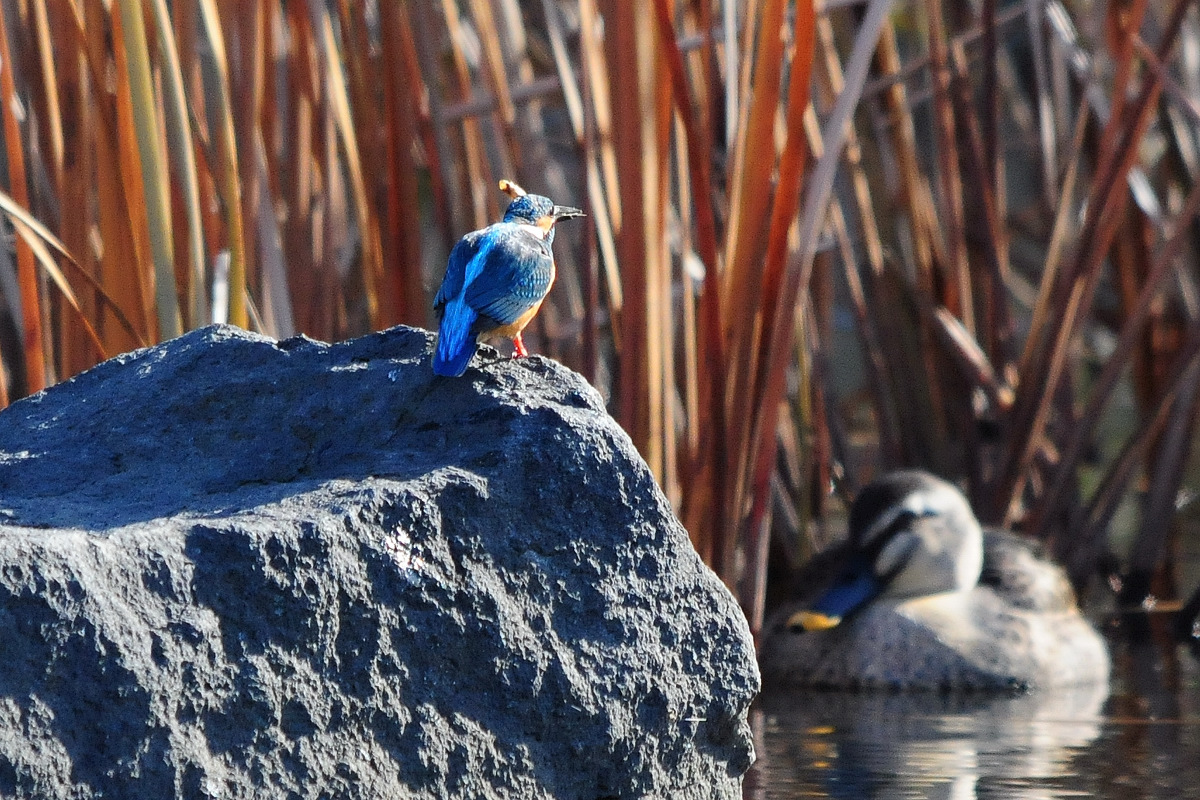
496, 279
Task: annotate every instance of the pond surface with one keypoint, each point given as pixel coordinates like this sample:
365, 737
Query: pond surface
1137, 738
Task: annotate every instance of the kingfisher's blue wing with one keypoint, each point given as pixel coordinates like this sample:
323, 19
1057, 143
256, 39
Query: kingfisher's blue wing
458, 321
516, 272
461, 258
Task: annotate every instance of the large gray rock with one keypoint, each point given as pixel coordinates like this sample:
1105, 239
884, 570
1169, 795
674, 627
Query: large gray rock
231, 567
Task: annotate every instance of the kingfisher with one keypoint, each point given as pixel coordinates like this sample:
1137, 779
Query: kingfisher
496, 279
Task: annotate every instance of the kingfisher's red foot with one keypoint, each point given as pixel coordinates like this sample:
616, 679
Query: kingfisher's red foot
521, 352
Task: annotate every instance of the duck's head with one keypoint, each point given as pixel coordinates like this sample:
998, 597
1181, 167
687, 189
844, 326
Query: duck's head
911, 534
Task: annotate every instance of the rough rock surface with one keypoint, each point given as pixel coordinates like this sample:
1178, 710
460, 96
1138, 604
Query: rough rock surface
231, 567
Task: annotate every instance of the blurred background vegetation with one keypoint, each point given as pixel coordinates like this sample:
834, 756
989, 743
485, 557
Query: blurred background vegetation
822, 240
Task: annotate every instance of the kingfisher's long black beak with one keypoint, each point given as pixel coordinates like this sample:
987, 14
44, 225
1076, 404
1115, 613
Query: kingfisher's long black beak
565, 212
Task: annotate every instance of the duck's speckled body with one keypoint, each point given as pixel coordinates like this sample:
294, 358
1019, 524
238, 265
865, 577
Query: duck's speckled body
927, 600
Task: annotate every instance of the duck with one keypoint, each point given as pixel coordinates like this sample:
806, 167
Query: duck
922, 597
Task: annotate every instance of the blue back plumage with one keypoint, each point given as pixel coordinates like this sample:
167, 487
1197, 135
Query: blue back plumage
455, 344
456, 339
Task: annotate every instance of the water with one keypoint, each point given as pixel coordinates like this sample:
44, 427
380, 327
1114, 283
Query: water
1138, 738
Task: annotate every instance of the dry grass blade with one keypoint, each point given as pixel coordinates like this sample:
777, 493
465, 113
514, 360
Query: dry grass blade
920, 406
493, 60
49, 92
401, 106
76, 180
278, 319
1122, 21
245, 23
47, 261
179, 143
138, 289
478, 177
1047, 138
989, 113
711, 370
958, 297
121, 264
229, 184
591, 34
153, 169
633, 115
1106, 382
834, 133
1104, 205
874, 346
31, 305
588, 128
1042, 309
750, 195
969, 356
988, 244
1168, 471
1083, 552
36, 235
340, 106
784, 280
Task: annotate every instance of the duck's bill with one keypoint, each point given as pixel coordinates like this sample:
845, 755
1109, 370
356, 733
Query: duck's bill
812, 621
850, 593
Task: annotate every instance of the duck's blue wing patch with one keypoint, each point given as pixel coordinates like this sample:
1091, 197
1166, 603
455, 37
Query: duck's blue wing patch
852, 590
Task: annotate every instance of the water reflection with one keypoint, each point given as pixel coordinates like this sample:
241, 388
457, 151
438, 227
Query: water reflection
1143, 741
921, 745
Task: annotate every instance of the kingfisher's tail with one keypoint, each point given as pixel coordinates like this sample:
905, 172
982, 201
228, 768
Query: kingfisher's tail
455, 344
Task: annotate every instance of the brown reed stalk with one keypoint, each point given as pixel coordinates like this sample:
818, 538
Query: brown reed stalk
35, 364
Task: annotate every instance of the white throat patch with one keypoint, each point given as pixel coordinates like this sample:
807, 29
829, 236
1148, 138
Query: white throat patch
536, 231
